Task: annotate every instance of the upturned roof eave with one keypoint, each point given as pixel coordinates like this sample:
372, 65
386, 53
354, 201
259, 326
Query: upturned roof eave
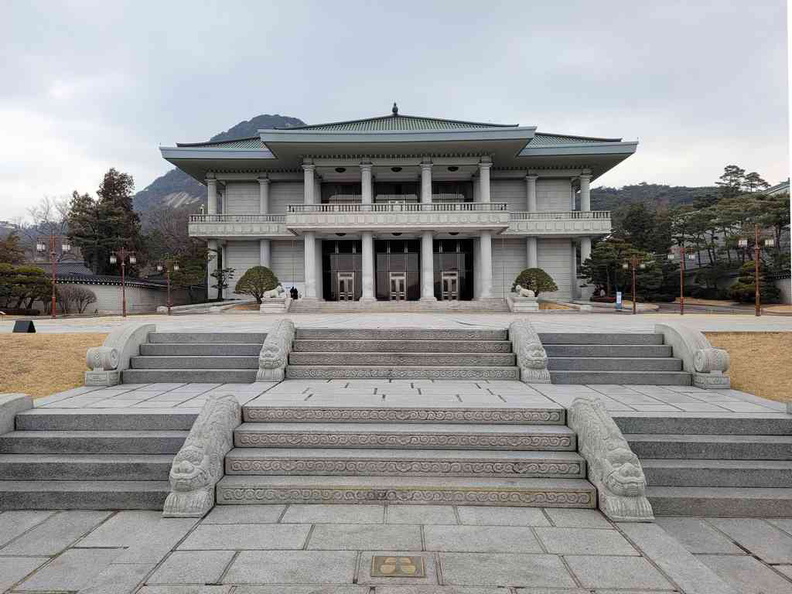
371, 136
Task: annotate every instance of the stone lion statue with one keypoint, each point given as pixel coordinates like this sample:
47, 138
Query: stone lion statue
521, 292
277, 293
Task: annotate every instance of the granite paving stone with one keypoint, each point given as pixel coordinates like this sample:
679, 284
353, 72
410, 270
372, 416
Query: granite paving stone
697, 536
55, 533
598, 571
785, 569
502, 516
122, 530
467, 590
191, 589
73, 570
192, 567
365, 537
783, 524
764, 540
14, 523
334, 514
365, 562
578, 518
502, 569
584, 541
159, 540
246, 536
483, 539
244, 514
750, 575
119, 578
292, 567
421, 514
315, 589
13, 569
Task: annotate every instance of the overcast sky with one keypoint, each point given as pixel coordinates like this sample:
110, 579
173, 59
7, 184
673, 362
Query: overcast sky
89, 85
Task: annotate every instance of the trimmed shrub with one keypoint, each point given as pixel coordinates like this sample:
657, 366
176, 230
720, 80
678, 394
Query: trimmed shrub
535, 279
256, 281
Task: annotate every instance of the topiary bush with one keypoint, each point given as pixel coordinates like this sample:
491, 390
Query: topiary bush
535, 279
744, 290
256, 281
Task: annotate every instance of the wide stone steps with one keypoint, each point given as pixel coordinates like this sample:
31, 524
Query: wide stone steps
402, 346
613, 364
317, 306
608, 350
600, 338
189, 376
718, 473
403, 359
711, 447
399, 334
207, 337
713, 424
241, 490
405, 436
217, 349
720, 501
81, 419
92, 442
400, 372
195, 362
654, 378
84, 467
83, 494
439, 463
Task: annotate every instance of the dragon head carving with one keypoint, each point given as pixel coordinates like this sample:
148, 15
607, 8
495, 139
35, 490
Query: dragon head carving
622, 473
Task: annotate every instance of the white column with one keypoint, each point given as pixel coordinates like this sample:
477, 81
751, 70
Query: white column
211, 266
426, 183
530, 192
585, 249
368, 267
484, 181
211, 194
308, 184
264, 252
427, 267
585, 192
532, 252
309, 241
317, 190
263, 194
366, 186
485, 243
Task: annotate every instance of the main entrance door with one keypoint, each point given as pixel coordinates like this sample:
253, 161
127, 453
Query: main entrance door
346, 286
398, 286
450, 285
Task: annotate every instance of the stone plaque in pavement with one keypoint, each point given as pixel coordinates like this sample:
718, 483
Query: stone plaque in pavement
398, 566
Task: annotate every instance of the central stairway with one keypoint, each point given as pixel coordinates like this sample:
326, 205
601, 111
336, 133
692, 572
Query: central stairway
467, 455
333, 353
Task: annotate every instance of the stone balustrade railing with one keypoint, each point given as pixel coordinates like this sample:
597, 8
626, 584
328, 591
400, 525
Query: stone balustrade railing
402, 207
274, 355
531, 355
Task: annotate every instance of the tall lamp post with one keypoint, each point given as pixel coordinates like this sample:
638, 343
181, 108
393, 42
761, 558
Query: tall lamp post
633, 263
123, 255
41, 247
168, 267
682, 256
743, 243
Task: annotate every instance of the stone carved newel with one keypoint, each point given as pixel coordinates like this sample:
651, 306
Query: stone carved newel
531, 355
274, 355
612, 466
198, 466
706, 363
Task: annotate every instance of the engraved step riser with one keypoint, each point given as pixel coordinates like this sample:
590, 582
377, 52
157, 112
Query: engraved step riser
404, 359
606, 350
207, 337
193, 362
373, 372
200, 350
399, 334
612, 364
598, 338
489, 416
402, 346
653, 378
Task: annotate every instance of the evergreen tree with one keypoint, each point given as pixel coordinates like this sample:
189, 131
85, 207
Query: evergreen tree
732, 181
753, 182
11, 250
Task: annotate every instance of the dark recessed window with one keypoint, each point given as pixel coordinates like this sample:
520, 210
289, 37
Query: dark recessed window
340, 169
454, 233
397, 234
396, 169
340, 234
453, 168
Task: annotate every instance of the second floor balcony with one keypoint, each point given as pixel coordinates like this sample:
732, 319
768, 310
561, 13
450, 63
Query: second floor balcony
561, 223
238, 226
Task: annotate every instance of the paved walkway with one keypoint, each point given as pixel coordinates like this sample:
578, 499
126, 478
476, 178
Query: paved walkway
324, 549
550, 322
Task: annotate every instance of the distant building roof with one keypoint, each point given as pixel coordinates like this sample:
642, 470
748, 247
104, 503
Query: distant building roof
781, 188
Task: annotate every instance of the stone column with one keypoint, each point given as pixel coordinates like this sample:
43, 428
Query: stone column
427, 267
264, 252
368, 267
585, 192
532, 252
309, 241
585, 249
530, 192
426, 183
308, 183
366, 185
263, 181
211, 194
485, 243
484, 181
211, 266
317, 190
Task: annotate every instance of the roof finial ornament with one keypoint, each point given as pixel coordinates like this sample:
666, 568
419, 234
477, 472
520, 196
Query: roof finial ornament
395, 109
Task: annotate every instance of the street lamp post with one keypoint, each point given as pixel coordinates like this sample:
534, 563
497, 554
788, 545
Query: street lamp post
41, 247
122, 255
168, 267
743, 243
682, 255
633, 263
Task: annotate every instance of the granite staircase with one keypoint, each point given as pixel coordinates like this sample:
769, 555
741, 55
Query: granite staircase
739, 466
333, 353
90, 459
319, 306
413, 454
196, 357
612, 358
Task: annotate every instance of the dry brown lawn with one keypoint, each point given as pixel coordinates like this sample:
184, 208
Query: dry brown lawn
761, 362
42, 364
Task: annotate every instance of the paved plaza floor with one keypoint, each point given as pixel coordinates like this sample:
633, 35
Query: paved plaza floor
324, 549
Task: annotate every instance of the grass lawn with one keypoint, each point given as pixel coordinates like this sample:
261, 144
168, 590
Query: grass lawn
761, 362
42, 364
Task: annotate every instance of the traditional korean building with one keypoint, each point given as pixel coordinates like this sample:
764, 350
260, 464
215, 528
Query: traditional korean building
402, 207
